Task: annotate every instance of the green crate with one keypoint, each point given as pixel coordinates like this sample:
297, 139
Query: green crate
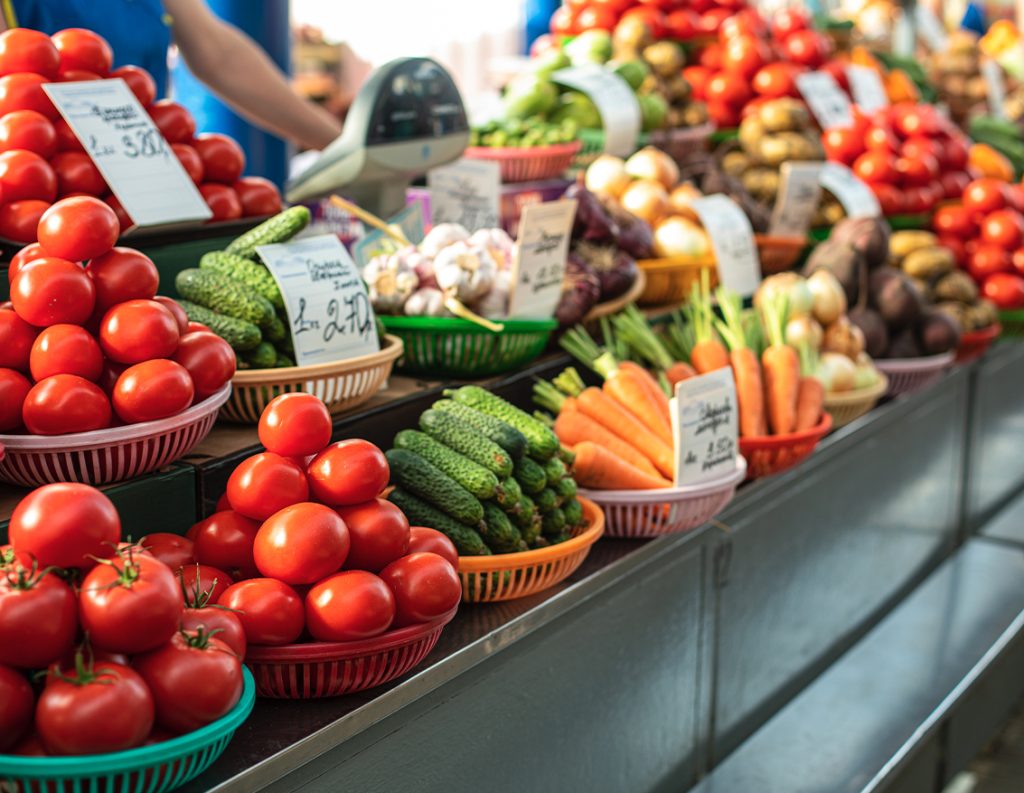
910, 222
1012, 322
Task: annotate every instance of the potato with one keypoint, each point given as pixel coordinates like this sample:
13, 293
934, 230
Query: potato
762, 183
929, 263
982, 314
695, 114
750, 133
957, 286
902, 243
776, 149
955, 311
736, 163
783, 115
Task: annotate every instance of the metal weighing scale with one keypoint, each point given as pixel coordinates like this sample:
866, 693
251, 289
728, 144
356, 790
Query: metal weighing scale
406, 119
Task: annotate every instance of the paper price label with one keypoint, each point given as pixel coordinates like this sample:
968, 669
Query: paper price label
826, 99
996, 85
705, 426
539, 266
903, 37
329, 309
127, 148
409, 220
732, 239
799, 196
868, 92
615, 101
856, 197
466, 192
929, 29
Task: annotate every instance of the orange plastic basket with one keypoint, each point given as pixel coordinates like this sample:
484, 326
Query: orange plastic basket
507, 576
528, 164
778, 254
670, 280
976, 343
773, 454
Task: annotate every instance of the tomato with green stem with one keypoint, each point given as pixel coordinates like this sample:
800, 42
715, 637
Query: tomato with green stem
202, 611
38, 617
16, 707
205, 578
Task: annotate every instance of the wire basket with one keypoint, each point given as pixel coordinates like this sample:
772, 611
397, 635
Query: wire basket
507, 576
110, 455
148, 769
452, 347
331, 669
342, 385
670, 280
528, 164
976, 343
910, 375
773, 454
1012, 322
636, 514
847, 406
778, 254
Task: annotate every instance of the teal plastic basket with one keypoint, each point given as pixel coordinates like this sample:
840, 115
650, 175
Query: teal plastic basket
147, 769
452, 347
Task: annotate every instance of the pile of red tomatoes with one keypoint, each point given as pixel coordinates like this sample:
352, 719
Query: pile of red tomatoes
679, 20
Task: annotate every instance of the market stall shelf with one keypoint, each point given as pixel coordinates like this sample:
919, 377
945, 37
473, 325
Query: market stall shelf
773, 454
910, 375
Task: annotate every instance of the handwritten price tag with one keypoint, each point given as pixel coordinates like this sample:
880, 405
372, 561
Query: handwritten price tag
799, 195
732, 239
856, 197
826, 99
866, 86
466, 192
930, 29
330, 312
996, 85
128, 149
409, 220
615, 101
705, 427
539, 265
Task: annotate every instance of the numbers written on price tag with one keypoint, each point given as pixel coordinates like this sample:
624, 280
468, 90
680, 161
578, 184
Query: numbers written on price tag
799, 195
539, 266
705, 426
330, 312
996, 86
467, 192
867, 88
826, 99
732, 239
409, 220
856, 197
128, 149
615, 101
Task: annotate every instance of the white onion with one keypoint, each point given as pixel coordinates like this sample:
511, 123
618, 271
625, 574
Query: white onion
607, 176
647, 200
677, 236
802, 330
654, 164
828, 298
836, 372
793, 286
680, 200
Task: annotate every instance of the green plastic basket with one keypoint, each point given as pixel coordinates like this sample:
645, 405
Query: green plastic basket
147, 769
922, 220
725, 135
452, 347
1012, 322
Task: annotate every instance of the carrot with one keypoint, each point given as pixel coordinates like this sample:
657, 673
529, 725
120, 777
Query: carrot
631, 392
601, 469
680, 371
708, 353
575, 427
596, 404
781, 369
646, 379
745, 367
810, 398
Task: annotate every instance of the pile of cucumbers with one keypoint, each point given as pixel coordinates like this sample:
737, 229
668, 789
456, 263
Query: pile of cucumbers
234, 294
492, 478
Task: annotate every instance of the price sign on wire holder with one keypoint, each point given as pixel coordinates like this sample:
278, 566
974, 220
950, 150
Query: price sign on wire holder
867, 88
467, 192
539, 265
826, 99
799, 195
856, 197
732, 238
616, 103
705, 426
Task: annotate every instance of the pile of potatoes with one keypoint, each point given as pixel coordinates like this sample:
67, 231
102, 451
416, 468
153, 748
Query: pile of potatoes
957, 75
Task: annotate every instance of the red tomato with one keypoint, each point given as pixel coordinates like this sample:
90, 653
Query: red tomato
24, 175
876, 166
123, 220
777, 79
953, 153
989, 259
379, 532
1004, 227
747, 22
955, 182
77, 76
152, 390
697, 77
223, 159
807, 47
66, 349
131, 604
711, 55
29, 130
66, 140
213, 618
682, 24
563, 21
957, 246
881, 137
295, 425
17, 704
78, 228
138, 330
108, 709
1017, 260
174, 121
786, 21
16, 339
842, 144
650, 16
425, 586
911, 120
348, 472
140, 81
1015, 196
983, 196
209, 360
190, 161
26, 50
920, 171
225, 541
259, 196
50, 291
954, 220
83, 49
890, 198
270, 611
732, 89
14, 387
422, 539
63, 404
27, 254
123, 274
264, 484
38, 618
918, 145
1006, 290
194, 678
349, 606
173, 550
19, 219
594, 17
745, 55
24, 91
222, 200
723, 114
63, 524
301, 544
77, 174
202, 579
916, 199
712, 20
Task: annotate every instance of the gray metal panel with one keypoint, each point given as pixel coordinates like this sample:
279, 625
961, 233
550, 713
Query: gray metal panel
857, 728
1008, 523
817, 555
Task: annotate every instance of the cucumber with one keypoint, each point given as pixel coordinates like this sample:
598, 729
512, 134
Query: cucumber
573, 511
540, 542
498, 532
528, 520
276, 330
224, 295
553, 523
530, 475
467, 542
565, 488
241, 335
252, 274
526, 512
434, 486
566, 455
542, 442
560, 538
280, 228
475, 478
509, 494
547, 500
458, 435
554, 470
508, 438
283, 361
285, 345
263, 357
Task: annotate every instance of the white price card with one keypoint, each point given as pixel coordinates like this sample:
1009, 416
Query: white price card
539, 265
828, 103
409, 221
615, 101
705, 426
732, 239
328, 307
929, 29
127, 148
856, 197
995, 83
799, 196
867, 88
467, 192
903, 36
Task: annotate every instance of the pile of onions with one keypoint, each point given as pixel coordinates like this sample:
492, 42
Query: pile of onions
647, 199
677, 236
653, 164
607, 176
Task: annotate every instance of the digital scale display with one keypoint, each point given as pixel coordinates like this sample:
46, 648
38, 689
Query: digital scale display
418, 100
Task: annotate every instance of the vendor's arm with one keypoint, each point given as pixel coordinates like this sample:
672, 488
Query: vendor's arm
242, 74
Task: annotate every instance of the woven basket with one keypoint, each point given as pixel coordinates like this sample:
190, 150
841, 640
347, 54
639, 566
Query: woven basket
847, 406
528, 164
670, 280
910, 375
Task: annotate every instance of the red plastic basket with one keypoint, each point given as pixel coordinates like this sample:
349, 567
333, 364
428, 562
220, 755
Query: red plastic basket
528, 164
635, 514
103, 456
773, 454
976, 343
331, 669
910, 375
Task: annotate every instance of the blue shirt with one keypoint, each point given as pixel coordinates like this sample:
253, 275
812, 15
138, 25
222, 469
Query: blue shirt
135, 29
